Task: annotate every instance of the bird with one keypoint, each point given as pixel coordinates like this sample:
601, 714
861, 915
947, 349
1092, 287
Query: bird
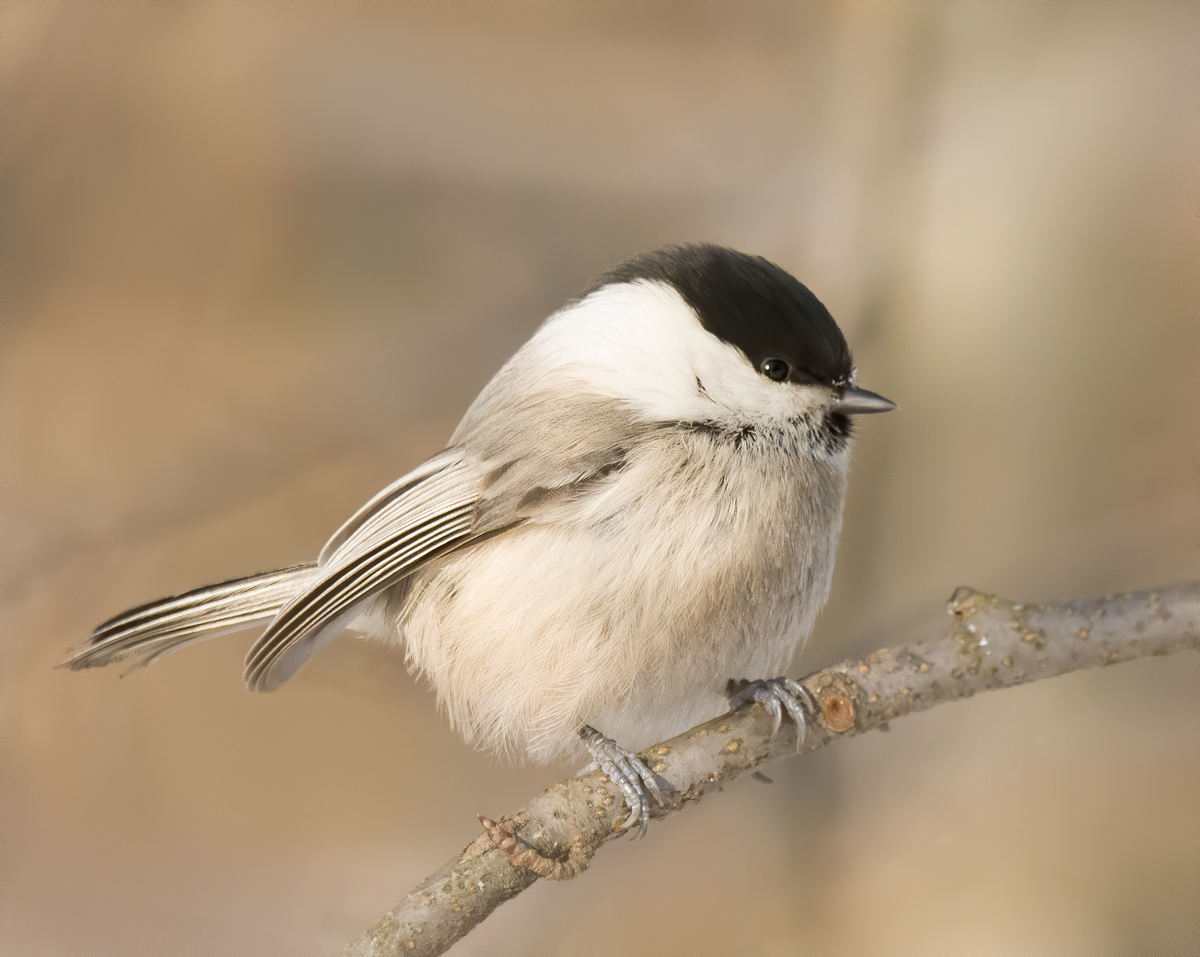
633, 527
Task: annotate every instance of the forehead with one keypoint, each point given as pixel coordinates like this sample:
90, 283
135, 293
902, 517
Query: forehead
748, 302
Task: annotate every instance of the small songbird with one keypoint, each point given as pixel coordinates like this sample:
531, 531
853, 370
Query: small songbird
640, 510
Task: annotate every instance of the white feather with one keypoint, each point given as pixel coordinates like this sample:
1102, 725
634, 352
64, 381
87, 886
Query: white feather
628, 610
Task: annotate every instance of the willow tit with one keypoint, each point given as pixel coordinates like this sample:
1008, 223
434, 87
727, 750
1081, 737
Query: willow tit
640, 509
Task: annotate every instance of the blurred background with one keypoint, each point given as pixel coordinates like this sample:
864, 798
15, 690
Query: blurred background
257, 259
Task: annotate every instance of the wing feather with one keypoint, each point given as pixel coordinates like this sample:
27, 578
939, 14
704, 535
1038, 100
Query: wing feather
400, 530
552, 448
382, 500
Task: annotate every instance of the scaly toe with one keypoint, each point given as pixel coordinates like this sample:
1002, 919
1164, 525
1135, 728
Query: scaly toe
637, 783
777, 695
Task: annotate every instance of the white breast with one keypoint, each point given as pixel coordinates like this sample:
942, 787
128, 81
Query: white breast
630, 609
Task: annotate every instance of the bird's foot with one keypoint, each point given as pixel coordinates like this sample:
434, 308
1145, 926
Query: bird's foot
777, 695
628, 772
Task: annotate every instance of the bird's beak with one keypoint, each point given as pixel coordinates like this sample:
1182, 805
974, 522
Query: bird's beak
856, 401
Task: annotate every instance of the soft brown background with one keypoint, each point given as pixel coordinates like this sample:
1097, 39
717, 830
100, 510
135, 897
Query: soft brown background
258, 258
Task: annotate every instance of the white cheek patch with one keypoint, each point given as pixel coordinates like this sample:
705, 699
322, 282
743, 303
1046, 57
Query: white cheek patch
739, 392
632, 341
642, 343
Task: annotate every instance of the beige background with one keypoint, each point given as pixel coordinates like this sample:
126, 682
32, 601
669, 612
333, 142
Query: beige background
258, 258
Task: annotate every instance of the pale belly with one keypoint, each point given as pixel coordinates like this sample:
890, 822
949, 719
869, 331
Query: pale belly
633, 625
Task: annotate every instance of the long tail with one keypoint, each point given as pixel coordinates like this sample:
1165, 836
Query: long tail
151, 631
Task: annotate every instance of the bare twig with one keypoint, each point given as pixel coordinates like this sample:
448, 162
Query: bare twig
991, 643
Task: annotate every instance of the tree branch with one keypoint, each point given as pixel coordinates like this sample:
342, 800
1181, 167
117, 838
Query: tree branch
990, 643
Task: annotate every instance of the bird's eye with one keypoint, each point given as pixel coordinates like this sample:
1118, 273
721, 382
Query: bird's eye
775, 369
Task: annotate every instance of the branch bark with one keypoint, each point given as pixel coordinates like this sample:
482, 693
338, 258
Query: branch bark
990, 643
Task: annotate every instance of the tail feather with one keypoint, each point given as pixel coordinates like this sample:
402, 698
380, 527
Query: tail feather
152, 630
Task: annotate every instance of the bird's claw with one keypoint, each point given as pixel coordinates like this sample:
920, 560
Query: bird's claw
638, 784
777, 696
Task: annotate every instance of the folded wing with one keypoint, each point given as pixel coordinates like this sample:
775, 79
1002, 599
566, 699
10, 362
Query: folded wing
424, 514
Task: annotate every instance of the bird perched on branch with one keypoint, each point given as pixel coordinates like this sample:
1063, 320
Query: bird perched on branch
639, 512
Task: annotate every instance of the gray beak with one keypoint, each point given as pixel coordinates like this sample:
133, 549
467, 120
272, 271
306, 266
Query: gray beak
856, 401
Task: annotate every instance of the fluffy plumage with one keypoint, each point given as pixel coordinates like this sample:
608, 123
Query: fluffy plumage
634, 511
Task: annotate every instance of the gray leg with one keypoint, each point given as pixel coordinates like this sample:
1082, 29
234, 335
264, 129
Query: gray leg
628, 772
777, 695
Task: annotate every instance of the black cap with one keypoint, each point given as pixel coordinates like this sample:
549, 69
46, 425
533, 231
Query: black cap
750, 303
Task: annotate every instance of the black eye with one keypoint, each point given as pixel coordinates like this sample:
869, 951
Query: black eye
775, 369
